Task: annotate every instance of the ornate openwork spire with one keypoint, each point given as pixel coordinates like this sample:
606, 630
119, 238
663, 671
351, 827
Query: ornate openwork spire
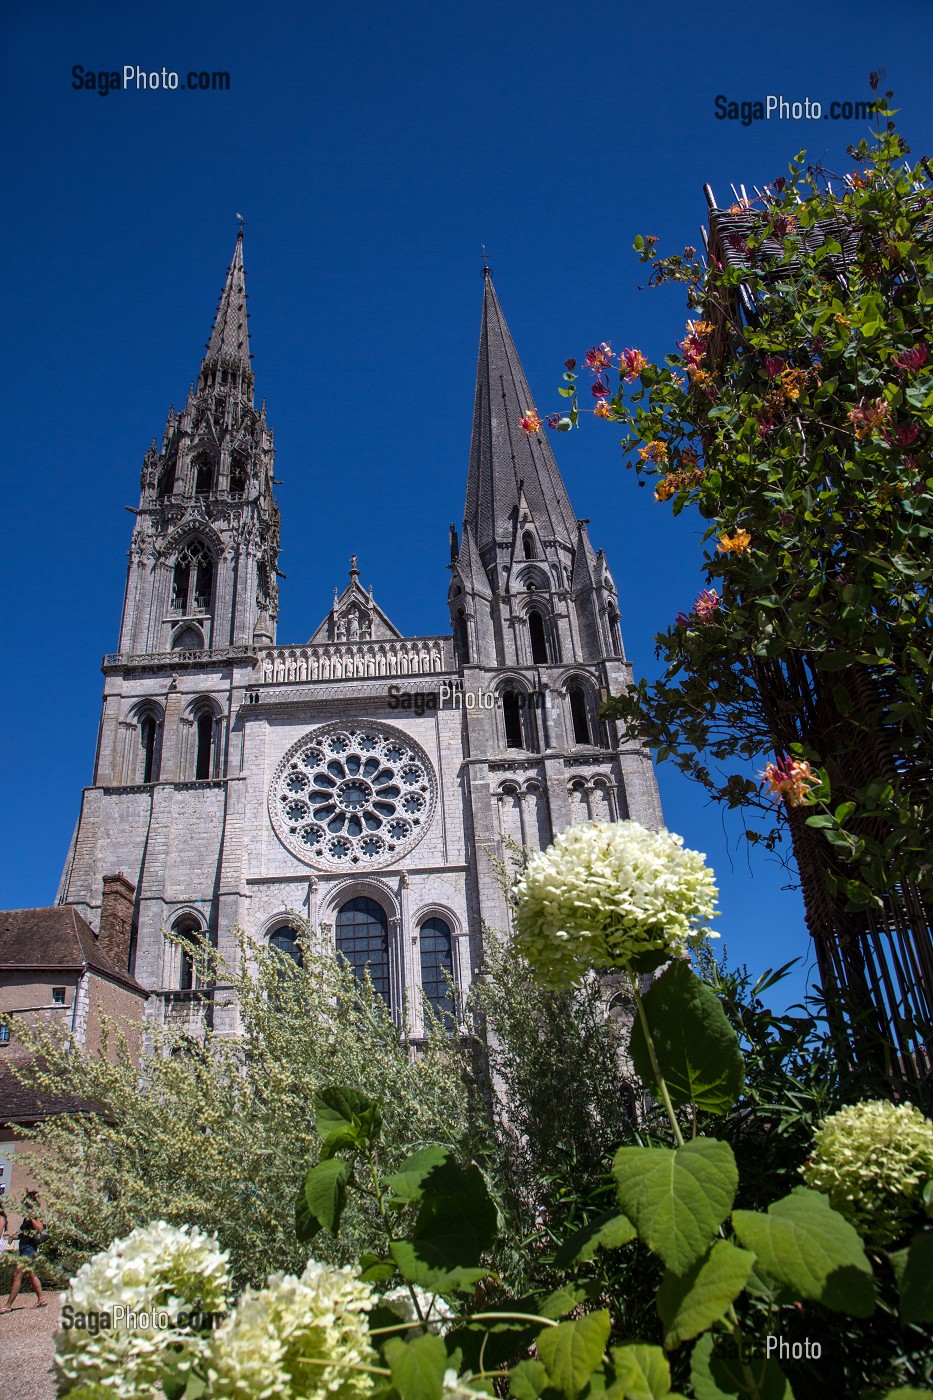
228, 347
502, 456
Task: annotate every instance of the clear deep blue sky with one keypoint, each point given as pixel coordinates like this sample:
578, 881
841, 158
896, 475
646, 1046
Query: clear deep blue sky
373, 149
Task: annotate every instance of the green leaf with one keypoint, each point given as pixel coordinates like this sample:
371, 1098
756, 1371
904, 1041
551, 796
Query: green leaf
322, 1198
528, 1380
641, 1373
557, 1304
690, 1303
344, 1116
373, 1269
607, 1232
916, 1282
677, 1197
720, 1377
408, 1182
697, 1049
429, 1268
417, 1366
571, 1351
457, 1219
805, 1244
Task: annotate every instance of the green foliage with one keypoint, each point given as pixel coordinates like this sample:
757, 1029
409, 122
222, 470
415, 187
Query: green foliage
696, 1049
677, 1197
219, 1134
801, 436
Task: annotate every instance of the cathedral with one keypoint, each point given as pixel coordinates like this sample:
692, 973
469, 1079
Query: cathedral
362, 780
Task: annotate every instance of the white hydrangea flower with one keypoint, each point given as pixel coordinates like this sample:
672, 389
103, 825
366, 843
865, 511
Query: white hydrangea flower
459, 1388
606, 893
136, 1289
872, 1160
431, 1306
296, 1338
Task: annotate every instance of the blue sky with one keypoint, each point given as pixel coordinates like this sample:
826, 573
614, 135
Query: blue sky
373, 150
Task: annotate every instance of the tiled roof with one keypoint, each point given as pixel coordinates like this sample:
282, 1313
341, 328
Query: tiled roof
56, 939
23, 1103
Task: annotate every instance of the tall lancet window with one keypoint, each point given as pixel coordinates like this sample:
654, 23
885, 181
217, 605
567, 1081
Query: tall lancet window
363, 940
512, 718
462, 637
538, 636
204, 751
528, 545
578, 715
148, 737
203, 476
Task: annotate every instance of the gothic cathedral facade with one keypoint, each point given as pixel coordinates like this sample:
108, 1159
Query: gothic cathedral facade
364, 780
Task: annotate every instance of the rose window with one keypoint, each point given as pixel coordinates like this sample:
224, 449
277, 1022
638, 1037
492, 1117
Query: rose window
346, 796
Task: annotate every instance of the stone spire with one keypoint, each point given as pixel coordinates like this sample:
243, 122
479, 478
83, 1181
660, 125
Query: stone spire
502, 456
228, 347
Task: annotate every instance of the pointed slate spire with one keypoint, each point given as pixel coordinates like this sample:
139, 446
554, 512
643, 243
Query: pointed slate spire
502, 456
229, 342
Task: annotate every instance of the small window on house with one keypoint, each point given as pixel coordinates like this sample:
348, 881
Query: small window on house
538, 637
203, 767
4, 1035
58, 996
511, 714
528, 545
578, 715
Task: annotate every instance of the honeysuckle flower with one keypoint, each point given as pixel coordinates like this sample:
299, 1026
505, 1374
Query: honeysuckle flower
599, 357
912, 359
707, 604
872, 1160
904, 435
737, 242
553, 419
600, 389
654, 451
156, 1273
606, 894
570, 366
675, 481
531, 422
867, 417
297, 1337
790, 779
783, 224
602, 410
734, 544
683, 620
774, 365
633, 362
765, 424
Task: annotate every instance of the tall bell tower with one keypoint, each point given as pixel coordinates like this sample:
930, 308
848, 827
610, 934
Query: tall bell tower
203, 557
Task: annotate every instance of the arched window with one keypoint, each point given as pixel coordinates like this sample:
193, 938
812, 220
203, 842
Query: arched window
167, 479
363, 940
538, 637
462, 637
191, 951
511, 714
148, 735
437, 966
578, 715
204, 756
285, 941
528, 545
237, 476
615, 631
188, 639
203, 476
193, 579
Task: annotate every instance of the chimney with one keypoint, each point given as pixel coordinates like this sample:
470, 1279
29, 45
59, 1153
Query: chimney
116, 919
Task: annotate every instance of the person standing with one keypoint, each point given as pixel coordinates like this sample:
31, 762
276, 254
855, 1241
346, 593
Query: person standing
31, 1235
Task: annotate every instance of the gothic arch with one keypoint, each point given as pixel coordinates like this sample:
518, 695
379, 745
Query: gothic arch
534, 579
143, 760
516, 718
187, 637
202, 738
541, 640
582, 714
189, 529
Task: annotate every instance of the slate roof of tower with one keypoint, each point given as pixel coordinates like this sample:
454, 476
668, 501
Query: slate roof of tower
230, 336
501, 455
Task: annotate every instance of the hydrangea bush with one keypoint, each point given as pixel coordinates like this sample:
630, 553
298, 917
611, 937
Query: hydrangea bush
873, 1161
611, 894
142, 1285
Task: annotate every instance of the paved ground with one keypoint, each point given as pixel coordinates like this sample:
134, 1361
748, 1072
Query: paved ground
27, 1345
